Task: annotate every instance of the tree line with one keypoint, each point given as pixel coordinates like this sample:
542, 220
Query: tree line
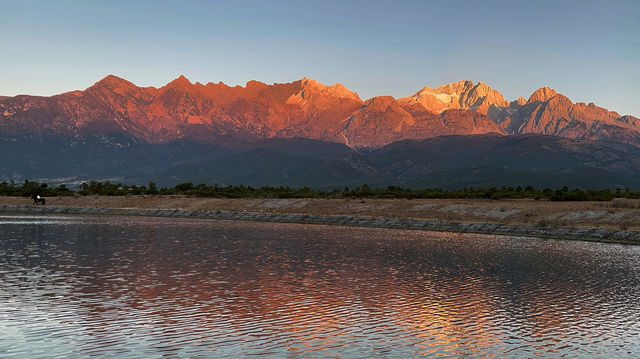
107, 188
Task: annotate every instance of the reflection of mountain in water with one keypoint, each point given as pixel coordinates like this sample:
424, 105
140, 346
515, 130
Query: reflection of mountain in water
158, 285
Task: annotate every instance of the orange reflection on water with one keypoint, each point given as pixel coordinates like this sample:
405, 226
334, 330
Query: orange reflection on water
270, 288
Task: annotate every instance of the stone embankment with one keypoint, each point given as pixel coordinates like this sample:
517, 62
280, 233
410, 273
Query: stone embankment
585, 234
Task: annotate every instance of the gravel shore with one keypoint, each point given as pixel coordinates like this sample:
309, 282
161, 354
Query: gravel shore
616, 221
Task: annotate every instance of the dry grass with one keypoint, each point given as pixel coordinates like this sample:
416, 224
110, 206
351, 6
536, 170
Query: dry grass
617, 214
624, 203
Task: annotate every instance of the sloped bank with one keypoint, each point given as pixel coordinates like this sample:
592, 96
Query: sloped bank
583, 234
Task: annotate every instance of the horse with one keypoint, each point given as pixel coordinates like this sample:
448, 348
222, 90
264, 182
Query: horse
37, 199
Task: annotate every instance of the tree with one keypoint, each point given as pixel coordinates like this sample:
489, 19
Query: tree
152, 188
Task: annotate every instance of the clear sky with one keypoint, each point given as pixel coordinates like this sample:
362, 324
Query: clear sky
587, 50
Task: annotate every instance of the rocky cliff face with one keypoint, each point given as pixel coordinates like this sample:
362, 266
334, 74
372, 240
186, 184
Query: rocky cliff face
547, 112
304, 108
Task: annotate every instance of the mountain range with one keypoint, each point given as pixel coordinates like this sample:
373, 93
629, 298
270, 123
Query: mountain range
307, 109
307, 133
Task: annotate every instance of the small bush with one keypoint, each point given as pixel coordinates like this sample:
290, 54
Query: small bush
624, 203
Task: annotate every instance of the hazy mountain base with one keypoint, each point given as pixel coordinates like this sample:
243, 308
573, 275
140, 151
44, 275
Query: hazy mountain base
446, 162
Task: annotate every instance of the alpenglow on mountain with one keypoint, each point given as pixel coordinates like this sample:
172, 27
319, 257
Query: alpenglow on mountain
215, 113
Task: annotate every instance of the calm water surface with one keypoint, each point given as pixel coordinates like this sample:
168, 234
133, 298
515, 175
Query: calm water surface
156, 287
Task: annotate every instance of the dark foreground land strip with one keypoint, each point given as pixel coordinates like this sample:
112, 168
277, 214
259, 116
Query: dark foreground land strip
583, 234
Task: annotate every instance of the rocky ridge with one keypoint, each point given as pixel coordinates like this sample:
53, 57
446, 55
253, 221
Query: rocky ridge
305, 108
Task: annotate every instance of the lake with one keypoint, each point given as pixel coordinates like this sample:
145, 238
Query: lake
124, 287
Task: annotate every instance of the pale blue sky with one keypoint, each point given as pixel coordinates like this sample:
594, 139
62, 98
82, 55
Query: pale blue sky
587, 50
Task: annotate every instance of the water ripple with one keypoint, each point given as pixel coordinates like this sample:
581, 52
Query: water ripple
149, 287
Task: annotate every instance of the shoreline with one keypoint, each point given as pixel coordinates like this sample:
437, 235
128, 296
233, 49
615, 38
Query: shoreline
604, 235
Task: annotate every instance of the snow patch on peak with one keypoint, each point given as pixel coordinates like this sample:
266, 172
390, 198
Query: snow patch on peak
444, 97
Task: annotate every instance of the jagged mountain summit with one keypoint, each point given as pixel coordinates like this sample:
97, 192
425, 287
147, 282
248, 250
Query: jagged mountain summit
214, 112
459, 95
